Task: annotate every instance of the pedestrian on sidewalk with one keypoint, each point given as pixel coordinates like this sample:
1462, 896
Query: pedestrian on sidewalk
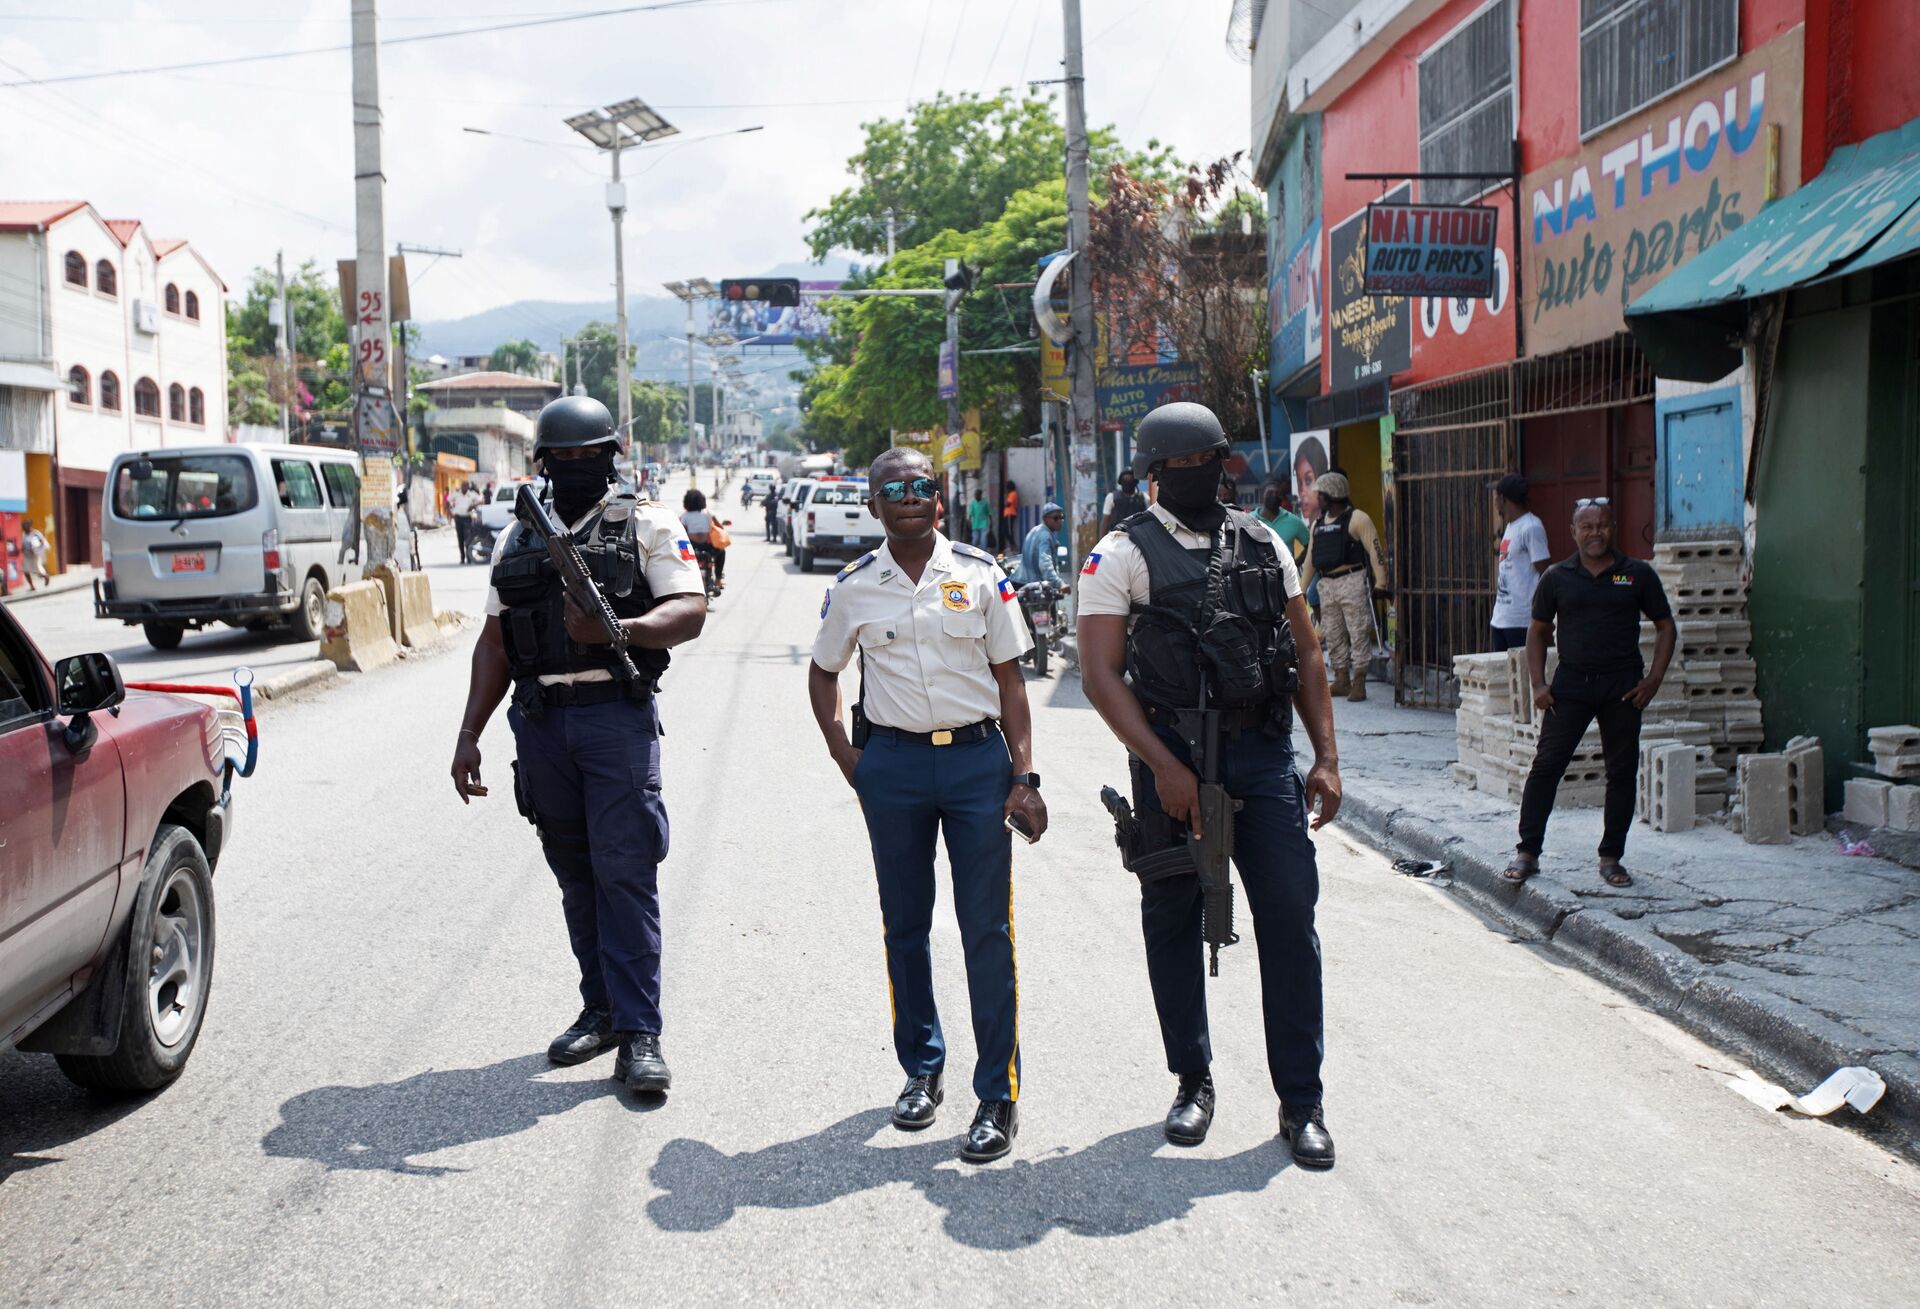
1345, 556
33, 544
587, 730
1523, 557
980, 520
1595, 599
460, 508
1123, 502
1010, 520
1146, 595
941, 742
1283, 522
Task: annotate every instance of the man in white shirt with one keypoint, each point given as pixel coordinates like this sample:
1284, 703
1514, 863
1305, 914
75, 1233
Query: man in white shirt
942, 740
1523, 557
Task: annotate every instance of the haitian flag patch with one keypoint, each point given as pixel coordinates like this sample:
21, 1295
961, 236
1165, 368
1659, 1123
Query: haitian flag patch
1092, 565
1006, 591
686, 550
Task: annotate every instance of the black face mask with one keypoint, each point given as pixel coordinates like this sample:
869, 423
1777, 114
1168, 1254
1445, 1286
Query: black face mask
1193, 495
578, 484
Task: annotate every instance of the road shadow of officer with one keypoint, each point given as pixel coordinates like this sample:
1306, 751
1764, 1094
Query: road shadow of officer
1190, 605
586, 731
941, 745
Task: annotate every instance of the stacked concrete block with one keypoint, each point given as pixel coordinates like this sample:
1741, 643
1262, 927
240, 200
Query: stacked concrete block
1896, 751
1484, 695
1497, 736
1903, 808
1867, 801
1712, 678
1667, 773
1709, 780
1806, 785
1765, 813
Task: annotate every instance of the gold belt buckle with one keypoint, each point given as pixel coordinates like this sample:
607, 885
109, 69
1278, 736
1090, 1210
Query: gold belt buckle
943, 737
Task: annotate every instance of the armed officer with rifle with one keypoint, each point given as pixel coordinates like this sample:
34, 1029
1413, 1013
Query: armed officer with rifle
580, 618
1195, 647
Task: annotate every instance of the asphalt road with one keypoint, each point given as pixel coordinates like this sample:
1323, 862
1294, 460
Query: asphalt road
369, 1118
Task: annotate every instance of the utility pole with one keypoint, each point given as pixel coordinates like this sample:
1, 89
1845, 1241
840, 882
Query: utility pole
955, 275
280, 345
617, 202
1082, 450
890, 231
376, 428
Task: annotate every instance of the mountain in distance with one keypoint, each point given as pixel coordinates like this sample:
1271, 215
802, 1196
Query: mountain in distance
650, 318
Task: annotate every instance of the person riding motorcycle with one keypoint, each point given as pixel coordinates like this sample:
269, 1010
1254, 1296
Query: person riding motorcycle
1036, 552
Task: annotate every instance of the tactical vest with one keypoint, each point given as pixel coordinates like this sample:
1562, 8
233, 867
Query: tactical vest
1334, 547
1126, 504
534, 626
1242, 636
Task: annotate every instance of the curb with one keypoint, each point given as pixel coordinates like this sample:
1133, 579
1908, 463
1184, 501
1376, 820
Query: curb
297, 678
56, 586
1782, 1039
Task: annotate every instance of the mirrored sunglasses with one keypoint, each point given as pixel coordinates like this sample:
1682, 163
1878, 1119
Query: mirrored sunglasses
921, 488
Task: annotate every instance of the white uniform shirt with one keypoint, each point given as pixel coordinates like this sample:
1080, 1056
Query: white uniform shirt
666, 560
926, 647
1522, 546
1114, 578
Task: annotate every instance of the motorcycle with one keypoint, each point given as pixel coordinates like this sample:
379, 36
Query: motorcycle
1040, 606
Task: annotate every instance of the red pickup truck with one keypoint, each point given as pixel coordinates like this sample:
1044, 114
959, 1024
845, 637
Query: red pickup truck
113, 814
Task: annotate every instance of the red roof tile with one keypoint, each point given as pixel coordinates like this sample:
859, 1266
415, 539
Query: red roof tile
123, 229
476, 381
34, 215
161, 249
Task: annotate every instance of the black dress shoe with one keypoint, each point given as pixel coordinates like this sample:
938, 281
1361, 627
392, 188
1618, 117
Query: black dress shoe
1192, 1112
639, 1064
995, 1124
591, 1034
1306, 1129
913, 1111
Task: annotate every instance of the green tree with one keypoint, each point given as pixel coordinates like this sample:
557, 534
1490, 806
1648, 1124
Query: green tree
522, 357
953, 163
249, 395
597, 353
658, 412
313, 297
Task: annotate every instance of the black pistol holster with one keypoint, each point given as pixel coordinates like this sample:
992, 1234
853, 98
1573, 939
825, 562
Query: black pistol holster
1152, 846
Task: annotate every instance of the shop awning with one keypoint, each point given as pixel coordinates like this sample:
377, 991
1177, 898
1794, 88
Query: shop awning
30, 377
1863, 209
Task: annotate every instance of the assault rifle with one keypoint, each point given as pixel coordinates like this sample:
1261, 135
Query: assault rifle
573, 571
1200, 728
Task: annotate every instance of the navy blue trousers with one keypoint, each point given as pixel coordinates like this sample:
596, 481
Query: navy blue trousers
1281, 881
911, 795
592, 776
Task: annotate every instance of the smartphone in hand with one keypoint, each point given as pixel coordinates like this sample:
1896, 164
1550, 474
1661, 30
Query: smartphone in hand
1017, 824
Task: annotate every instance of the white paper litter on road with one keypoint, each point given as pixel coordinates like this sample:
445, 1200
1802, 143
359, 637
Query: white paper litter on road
1852, 1085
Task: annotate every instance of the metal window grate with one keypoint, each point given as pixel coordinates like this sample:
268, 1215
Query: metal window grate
1353, 406
1600, 375
1633, 52
1466, 105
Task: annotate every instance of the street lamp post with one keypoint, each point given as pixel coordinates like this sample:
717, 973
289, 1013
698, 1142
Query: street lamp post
618, 128
694, 288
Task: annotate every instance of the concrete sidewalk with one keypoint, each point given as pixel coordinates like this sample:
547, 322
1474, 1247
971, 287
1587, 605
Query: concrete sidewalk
74, 579
1797, 958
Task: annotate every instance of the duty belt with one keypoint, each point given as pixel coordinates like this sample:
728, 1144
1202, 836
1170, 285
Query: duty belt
972, 732
584, 693
1233, 721
1342, 572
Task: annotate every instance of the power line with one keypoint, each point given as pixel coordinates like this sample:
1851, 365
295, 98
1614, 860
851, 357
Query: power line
1005, 23
953, 45
518, 25
914, 76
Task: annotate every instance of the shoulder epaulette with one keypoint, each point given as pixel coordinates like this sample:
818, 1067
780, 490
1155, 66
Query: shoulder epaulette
854, 567
972, 551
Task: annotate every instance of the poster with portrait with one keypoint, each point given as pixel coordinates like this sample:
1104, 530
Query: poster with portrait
1309, 457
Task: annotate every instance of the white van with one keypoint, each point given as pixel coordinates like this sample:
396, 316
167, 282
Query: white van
252, 536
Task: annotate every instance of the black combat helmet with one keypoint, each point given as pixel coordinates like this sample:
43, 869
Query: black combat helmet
1180, 428
570, 422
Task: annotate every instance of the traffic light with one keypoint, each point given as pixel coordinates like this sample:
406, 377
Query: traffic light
958, 281
779, 292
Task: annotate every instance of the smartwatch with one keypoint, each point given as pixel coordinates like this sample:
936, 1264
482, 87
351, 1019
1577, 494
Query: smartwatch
1027, 779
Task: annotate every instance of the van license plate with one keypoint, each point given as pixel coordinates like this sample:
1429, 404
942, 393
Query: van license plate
194, 562
851, 540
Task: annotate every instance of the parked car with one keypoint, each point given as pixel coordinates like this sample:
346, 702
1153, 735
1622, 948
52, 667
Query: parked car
833, 522
497, 513
250, 536
113, 816
761, 483
790, 496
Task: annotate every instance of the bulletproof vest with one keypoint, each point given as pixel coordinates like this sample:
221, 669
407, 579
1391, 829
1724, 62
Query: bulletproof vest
1127, 503
1218, 622
1334, 546
534, 626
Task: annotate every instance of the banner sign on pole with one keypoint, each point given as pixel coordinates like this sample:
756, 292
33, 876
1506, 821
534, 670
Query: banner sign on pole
1431, 250
949, 371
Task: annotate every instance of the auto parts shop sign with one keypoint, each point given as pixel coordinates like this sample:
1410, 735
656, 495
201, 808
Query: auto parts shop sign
1431, 250
1646, 195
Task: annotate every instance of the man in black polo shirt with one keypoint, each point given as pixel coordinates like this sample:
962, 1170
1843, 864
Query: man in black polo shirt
1597, 596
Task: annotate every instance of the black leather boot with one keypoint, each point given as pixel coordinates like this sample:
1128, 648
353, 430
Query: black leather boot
1192, 1112
639, 1064
914, 1110
1306, 1129
995, 1124
591, 1034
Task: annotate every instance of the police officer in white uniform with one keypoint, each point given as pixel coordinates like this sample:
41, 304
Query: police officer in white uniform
941, 742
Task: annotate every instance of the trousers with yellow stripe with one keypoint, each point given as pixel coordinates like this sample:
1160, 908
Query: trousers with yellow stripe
912, 796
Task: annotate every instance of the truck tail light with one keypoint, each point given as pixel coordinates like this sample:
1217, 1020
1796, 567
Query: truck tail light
809, 520
106, 560
270, 549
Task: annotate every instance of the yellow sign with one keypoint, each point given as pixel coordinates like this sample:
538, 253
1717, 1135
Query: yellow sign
924, 442
955, 596
960, 450
1053, 369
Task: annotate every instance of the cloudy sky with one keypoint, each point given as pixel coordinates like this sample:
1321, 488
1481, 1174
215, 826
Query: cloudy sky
253, 157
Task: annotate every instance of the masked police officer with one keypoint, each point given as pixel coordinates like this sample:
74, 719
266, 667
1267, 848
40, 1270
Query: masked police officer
1146, 594
941, 740
587, 735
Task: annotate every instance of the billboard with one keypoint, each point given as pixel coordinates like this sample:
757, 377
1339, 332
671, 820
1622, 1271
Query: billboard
1371, 336
1293, 307
770, 326
1127, 394
1431, 250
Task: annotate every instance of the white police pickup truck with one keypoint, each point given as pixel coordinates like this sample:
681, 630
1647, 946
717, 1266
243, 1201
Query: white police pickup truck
831, 521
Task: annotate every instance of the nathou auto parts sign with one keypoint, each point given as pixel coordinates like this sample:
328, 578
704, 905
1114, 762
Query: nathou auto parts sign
1431, 250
